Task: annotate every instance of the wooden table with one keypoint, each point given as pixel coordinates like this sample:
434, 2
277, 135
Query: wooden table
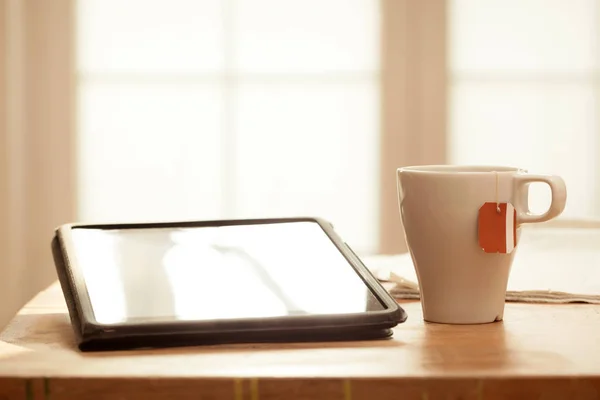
551, 351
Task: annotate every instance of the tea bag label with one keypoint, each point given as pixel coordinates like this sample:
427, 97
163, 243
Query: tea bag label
497, 228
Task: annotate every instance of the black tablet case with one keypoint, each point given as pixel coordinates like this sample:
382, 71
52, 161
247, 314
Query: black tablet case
93, 336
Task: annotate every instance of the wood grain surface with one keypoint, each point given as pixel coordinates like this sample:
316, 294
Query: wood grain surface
539, 351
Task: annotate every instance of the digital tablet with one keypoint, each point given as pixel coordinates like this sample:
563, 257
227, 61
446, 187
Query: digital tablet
208, 282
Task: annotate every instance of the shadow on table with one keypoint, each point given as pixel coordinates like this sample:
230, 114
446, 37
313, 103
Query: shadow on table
465, 347
54, 332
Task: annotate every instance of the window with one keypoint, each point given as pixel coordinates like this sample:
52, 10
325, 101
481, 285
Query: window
254, 108
223, 109
525, 91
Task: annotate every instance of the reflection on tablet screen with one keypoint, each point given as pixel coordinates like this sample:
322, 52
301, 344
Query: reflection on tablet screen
241, 271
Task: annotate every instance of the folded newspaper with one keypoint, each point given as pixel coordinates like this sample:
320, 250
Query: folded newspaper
552, 265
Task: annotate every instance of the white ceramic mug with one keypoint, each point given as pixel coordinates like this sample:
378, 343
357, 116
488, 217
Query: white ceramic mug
439, 205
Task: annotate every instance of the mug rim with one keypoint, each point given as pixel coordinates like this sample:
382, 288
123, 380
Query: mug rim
457, 169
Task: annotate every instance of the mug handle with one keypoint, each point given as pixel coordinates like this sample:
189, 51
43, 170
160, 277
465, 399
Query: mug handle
557, 205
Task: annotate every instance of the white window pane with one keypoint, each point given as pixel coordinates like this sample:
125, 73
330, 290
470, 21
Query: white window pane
149, 152
550, 129
310, 149
147, 36
306, 36
523, 35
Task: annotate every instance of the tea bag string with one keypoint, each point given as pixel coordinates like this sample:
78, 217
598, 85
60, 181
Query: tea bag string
497, 190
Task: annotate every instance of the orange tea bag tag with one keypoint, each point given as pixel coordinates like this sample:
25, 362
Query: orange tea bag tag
497, 227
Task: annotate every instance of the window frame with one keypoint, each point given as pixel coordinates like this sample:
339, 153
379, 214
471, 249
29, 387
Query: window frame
413, 101
37, 137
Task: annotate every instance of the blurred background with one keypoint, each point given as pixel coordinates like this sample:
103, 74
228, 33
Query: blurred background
194, 109
209, 109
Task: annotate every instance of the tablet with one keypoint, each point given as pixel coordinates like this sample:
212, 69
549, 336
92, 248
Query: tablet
207, 282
